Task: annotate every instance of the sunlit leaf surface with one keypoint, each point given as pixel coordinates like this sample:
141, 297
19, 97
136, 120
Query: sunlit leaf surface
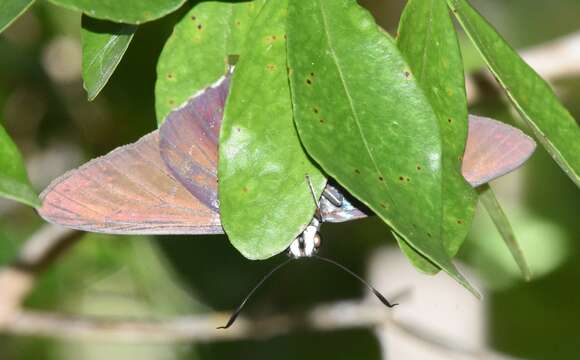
428, 40
265, 201
196, 54
363, 117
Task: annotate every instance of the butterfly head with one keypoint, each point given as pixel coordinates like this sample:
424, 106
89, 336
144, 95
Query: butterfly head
307, 243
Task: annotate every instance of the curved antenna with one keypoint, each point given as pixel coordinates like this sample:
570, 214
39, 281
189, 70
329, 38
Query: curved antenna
241, 306
369, 286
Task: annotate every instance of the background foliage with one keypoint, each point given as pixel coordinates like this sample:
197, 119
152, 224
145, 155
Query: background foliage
45, 111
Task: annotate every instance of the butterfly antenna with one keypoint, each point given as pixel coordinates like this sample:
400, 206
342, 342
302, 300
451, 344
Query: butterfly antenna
316, 202
241, 306
369, 286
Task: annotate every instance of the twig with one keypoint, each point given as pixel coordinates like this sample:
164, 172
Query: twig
199, 328
17, 280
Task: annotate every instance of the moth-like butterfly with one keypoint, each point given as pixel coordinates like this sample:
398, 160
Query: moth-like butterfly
166, 182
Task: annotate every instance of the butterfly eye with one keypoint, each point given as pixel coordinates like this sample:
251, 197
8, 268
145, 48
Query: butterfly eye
317, 241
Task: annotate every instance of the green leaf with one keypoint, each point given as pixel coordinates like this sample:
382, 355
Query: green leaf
362, 116
14, 183
419, 261
10, 10
196, 54
104, 44
504, 227
428, 40
552, 124
123, 11
265, 201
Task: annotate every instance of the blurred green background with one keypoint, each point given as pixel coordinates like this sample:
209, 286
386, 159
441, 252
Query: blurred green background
44, 108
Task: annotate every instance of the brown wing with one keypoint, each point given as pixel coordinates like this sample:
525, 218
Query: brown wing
128, 191
493, 149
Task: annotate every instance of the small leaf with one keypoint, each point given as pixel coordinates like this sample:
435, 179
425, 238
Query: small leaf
362, 116
10, 10
14, 183
128, 12
504, 227
104, 44
552, 124
265, 201
428, 40
196, 54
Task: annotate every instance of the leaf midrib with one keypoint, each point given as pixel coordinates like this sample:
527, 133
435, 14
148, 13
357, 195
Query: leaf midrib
348, 95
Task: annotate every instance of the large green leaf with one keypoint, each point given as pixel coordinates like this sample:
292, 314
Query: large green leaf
197, 52
14, 183
104, 44
362, 116
553, 125
504, 227
10, 10
428, 40
265, 201
123, 11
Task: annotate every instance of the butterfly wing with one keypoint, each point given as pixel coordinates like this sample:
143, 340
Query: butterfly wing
493, 149
128, 191
335, 213
189, 142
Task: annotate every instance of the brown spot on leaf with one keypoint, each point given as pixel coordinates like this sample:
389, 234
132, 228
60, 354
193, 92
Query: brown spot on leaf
199, 27
245, 189
271, 67
381, 178
460, 222
193, 17
309, 82
357, 171
315, 109
419, 168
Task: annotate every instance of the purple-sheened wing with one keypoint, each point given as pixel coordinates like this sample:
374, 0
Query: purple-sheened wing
493, 149
128, 191
189, 142
165, 183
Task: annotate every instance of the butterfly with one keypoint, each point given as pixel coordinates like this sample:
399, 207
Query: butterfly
167, 182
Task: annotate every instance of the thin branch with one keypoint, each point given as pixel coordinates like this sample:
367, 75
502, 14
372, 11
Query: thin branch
199, 328
38, 252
